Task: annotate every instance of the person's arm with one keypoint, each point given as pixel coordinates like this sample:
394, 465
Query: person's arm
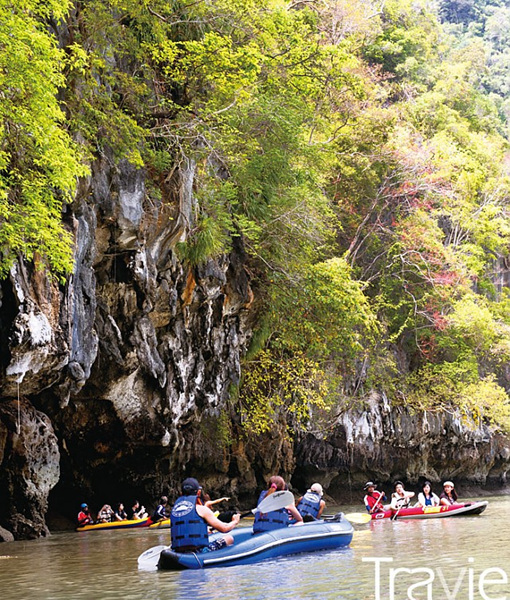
210, 503
321, 508
294, 512
212, 520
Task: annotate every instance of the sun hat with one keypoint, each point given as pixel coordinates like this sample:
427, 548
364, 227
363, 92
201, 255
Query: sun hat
317, 488
450, 483
190, 485
369, 484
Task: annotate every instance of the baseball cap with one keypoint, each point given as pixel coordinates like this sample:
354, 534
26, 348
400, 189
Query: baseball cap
369, 484
190, 485
317, 488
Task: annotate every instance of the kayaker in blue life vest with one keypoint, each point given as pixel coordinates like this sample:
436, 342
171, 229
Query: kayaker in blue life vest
189, 520
276, 518
311, 505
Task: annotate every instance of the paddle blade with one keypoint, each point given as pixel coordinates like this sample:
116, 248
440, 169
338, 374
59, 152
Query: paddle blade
148, 560
358, 517
275, 501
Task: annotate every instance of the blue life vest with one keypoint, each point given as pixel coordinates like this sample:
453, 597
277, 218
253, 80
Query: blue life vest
309, 504
188, 529
271, 520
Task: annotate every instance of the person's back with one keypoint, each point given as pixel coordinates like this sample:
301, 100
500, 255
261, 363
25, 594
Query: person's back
160, 514
276, 518
311, 505
190, 519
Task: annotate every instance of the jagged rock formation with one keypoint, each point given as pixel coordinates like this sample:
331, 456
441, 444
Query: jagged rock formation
133, 359
29, 469
129, 366
385, 443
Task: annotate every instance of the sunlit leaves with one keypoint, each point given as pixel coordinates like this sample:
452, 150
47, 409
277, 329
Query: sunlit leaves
40, 163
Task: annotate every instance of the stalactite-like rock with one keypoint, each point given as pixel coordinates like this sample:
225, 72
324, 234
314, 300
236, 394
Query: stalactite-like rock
29, 468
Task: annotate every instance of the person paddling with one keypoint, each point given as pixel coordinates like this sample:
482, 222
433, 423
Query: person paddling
276, 518
311, 505
373, 499
400, 498
190, 520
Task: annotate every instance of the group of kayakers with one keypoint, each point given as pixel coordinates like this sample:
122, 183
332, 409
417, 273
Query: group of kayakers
109, 515
401, 498
191, 518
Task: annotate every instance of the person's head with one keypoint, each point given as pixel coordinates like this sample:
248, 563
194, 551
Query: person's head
190, 487
426, 488
317, 489
136, 504
119, 507
370, 487
275, 484
84, 507
163, 500
399, 487
449, 489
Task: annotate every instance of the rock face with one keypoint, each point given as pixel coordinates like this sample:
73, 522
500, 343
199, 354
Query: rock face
29, 468
131, 362
383, 444
124, 375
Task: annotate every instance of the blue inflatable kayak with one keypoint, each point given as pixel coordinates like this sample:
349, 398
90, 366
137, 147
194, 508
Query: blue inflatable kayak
249, 548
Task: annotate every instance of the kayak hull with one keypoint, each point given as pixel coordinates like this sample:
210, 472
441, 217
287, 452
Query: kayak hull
164, 524
434, 512
249, 548
116, 525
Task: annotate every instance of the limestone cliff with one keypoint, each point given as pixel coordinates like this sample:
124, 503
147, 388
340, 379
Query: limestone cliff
117, 384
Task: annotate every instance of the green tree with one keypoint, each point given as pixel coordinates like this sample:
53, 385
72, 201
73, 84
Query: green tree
39, 162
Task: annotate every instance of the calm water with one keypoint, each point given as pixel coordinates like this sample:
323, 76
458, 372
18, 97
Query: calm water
103, 565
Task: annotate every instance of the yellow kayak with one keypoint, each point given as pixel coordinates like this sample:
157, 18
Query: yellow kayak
117, 525
164, 524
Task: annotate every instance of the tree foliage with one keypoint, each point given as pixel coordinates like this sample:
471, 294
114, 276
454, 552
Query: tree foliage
39, 163
357, 149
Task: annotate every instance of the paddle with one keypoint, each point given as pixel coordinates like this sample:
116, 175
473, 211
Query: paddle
275, 501
149, 558
360, 518
395, 515
381, 495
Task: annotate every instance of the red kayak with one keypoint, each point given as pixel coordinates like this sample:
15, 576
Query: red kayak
432, 512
